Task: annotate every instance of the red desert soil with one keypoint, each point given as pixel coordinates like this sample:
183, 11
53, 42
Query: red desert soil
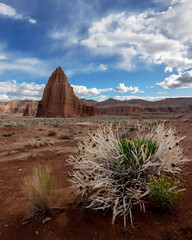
30, 145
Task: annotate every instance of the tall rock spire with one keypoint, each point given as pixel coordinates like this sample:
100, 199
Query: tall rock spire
59, 99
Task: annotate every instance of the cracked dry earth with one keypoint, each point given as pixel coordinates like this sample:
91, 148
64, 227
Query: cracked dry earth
30, 145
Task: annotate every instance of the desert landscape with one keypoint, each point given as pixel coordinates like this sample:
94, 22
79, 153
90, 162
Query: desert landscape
95, 120
30, 145
28, 141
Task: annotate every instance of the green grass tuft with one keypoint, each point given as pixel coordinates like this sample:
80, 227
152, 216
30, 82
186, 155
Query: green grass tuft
163, 191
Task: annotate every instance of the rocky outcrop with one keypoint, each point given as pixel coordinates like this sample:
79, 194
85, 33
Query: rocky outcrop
31, 109
59, 99
15, 106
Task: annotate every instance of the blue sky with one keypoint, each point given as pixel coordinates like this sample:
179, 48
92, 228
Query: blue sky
122, 49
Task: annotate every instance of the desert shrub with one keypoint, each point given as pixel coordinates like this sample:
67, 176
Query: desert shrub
10, 152
8, 134
52, 133
41, 129
65, 137
38, 188
163, 191
23, 149
71, 130
112, 172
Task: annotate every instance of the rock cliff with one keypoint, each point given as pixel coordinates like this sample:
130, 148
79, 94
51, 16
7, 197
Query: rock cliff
59, 99
31, 108
15, 106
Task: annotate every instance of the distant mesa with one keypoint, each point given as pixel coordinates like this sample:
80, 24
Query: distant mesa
16, 106
59, 99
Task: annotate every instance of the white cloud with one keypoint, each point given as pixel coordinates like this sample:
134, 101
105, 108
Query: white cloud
31, 20
30, 65
152, 37
12, 90
123, 89
10, 12
83, 91
168, 69
182, 80
145, 98
4, 97
100, 98
102, 67
3, 57
64, 37
87, 69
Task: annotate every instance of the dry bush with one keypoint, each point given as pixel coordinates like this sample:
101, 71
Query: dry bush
111, 172
38, 189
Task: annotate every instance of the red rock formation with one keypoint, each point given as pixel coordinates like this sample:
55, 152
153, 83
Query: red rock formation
15, 106
59, 99
31, 109
136, 106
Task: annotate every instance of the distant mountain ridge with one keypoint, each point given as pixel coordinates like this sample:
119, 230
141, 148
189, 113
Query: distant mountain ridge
117, 107
112, 106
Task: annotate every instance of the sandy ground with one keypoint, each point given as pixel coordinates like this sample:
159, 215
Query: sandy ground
30, 145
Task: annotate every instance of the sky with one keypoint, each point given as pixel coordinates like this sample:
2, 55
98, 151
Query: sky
123, 49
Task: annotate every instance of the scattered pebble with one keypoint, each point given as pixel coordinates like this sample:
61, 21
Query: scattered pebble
37, 233
46, 220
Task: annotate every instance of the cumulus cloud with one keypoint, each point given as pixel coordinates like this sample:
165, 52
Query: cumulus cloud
123, 89
182, 80
83, 91
150, 37
145, 98
10, 12
12, 90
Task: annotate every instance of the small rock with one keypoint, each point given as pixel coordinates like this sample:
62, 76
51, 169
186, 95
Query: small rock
36, 232
46, 220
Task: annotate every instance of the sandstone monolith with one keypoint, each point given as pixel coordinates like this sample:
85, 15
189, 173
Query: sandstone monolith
59, 99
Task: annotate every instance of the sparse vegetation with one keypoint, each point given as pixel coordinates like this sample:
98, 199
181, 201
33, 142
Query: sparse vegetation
38, 189
10, 152
23, 149
26, 156
8, 134
66, 137
113, 172
41, 129
163, 191
52, 133
71, 129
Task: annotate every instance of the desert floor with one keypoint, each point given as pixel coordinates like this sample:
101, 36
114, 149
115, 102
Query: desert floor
30, 145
